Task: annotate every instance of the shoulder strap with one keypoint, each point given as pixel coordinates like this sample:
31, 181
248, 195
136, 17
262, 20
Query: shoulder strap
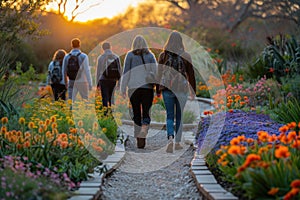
143, 60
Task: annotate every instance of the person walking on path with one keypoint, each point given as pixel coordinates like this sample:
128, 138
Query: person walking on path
55, 76
108, 73
177, 80
76, 71
138, 64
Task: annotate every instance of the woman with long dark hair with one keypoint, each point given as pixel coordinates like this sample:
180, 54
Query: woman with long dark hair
177, 80
138, 64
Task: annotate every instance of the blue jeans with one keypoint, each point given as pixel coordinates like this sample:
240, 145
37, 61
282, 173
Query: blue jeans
174, 107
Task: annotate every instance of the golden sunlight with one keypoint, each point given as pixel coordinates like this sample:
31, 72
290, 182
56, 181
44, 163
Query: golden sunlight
90, 10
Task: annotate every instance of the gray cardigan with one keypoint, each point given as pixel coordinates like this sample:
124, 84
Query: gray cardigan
135, 72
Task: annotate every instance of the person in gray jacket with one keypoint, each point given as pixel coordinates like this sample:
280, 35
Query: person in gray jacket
108, 73
138, 64
81, 83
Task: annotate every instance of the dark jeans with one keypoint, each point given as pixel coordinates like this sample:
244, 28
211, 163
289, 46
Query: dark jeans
141, 101
107, 89
59, 91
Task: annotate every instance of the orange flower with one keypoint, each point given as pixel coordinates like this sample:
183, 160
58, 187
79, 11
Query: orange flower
26, 144
293, 192
273, 191
272, 138
80, 123
284, 128
284, 139
295, 183
234, 141
271, 70
41, 130
263, 136
251, 158
296, 144
250, 140
19, 146
292, 125
231, 110
4, 120
292, 135
47, 122
219, 152
282, 152
82, 131
64, 144
234, 150
54, 125
100, 141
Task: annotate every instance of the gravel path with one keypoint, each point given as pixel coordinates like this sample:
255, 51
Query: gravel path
151, 173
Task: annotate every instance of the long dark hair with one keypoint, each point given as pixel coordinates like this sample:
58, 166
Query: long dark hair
174, 43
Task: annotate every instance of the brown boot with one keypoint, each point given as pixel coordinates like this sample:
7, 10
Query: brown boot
170, 145
178, 146
141, 142
144, 130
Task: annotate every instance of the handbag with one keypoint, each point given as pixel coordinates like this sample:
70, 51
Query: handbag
150, 77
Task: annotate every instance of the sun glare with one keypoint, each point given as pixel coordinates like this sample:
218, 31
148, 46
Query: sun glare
105, 8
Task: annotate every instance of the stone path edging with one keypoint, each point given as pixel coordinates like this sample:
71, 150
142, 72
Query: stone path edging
203, 178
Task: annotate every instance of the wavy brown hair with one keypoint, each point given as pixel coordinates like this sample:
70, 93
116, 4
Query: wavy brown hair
59, 55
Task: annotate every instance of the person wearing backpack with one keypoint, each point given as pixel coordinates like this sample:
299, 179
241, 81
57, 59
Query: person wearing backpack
108, 73
77, 74
177, 81
139, 62
55, 76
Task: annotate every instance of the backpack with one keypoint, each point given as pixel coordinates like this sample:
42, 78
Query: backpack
55, 73
175, 76
112, 70
73, 66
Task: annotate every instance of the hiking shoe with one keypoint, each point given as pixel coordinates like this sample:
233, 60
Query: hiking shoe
178, 146
141, 143
170, 145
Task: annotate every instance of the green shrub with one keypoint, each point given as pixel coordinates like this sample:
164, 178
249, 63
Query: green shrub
287, 111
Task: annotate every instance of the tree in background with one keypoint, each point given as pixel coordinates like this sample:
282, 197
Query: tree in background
18, 18
76, 9
233, 13
18, 22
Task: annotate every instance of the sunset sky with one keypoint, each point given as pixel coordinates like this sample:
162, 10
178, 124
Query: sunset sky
106, 8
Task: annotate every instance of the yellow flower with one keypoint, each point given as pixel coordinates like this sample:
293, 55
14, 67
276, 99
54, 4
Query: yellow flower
3, 129
31, 125
4, 120
104, 130
22, 121
53, 118
71, 122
